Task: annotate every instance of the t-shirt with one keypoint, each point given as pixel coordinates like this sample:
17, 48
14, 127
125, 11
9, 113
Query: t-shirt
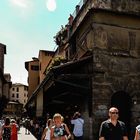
48, 132
111, 132
138, 128
78, 126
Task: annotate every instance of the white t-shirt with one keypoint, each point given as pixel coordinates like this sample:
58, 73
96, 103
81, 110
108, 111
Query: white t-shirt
138, 128
78, 126
48, 134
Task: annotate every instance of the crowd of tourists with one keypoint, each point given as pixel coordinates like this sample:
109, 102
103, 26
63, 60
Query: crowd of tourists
60, 128
56, 128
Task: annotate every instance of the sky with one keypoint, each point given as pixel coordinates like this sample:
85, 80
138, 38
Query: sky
27, 26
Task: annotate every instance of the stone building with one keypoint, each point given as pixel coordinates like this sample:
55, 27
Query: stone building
2, 79
103, 68
5, 81
7, 85
19, 93
17, 99
36, 73
33, 75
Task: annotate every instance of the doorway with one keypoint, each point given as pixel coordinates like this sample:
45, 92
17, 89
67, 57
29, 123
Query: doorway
122, 101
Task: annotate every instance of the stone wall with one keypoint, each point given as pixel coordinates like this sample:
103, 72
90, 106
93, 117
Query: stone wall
116, 67
127, 6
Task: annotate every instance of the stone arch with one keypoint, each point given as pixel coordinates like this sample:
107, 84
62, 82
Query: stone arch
123, 102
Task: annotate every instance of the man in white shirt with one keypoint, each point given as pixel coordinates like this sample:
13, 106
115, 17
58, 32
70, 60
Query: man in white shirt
78, 123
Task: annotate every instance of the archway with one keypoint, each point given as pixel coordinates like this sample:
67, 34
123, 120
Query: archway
123, 101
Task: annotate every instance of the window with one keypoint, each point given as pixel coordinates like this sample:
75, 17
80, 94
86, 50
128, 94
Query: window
17, 89
13, 95
35, 68
17, 95
25, 88
13, 88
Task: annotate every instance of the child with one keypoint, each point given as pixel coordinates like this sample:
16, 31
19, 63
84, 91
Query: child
47, 130
60, 130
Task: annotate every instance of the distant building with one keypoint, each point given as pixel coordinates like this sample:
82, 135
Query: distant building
13, 109
44, 59
5, 81
33, 74
36, 73
2, 79
7, 85
19, 93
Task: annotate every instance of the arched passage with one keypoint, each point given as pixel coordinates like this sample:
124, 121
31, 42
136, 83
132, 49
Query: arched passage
122, 101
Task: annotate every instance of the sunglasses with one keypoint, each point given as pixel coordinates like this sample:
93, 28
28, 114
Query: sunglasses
114, 112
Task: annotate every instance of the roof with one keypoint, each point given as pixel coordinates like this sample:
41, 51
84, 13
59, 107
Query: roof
18, 84
4, 46
57, 70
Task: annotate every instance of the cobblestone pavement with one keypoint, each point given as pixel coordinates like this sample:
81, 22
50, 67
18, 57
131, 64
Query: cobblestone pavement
23, 136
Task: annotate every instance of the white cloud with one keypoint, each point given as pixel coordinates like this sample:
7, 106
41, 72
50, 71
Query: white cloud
51, 5
22, 7
22, 3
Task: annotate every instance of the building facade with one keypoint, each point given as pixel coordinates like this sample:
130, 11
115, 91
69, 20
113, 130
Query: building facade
36, 74
33, 75
5, 81
44, 58
19, 93
2, 79
7, 86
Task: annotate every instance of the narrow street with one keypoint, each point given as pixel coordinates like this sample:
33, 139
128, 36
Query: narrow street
23, 136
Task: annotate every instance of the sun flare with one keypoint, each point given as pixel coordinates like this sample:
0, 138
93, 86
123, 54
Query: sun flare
51, 5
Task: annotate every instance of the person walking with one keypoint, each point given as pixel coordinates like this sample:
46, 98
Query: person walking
27, 126
14, 130
6, 130
137, 133
113, 129
47, 131
78, 123
59, 130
